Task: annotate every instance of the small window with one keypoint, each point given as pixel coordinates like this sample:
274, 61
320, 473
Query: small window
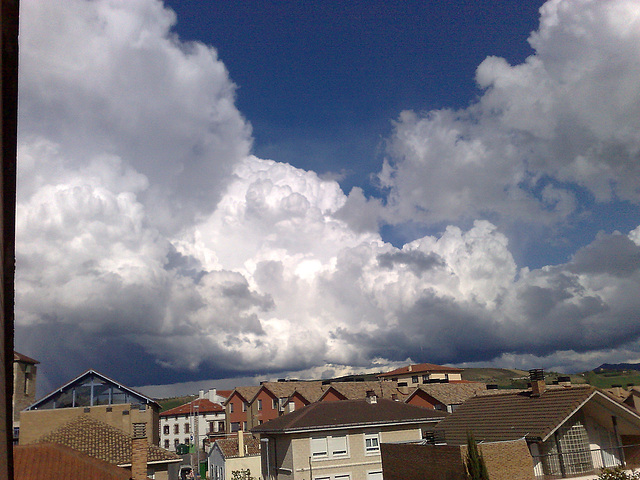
374, 475
244, 426
244, 406
371, 443
165, 430
212, 426
259, 404
176, 429
142, 407
186, 428
425, 378
231, 407
176, 442
414, 379
235, 426
166, 444
275, 403
338, 446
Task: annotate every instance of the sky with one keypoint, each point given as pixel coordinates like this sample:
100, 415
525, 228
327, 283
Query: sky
258, 190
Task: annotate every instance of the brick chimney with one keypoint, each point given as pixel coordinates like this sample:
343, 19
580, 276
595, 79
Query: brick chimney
371, 397
240, 443
538, 386
139, 452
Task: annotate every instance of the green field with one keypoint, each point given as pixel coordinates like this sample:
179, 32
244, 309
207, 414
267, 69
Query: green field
607, 379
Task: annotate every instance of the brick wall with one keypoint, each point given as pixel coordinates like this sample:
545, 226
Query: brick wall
504, 460
139, 455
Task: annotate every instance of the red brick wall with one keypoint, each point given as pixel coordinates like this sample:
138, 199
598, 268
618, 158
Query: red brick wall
139, 454
331, 397
504, 460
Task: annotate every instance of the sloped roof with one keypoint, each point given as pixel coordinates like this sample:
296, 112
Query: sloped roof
420, 368
229, 446
509, 416
19, 357
99, 440
358, 390
286, 389
246, 393
54, 461
450, 393
80, 378
204, 406
348, 414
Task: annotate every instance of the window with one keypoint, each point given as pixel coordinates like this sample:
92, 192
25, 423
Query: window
186, 428
275, 403
259, 404
244, 406
319, 447
371, 444
235, 426
425, 378
221, 426
176, 429
244, 426
292, 407
329, 447
414, 379
231, 407
165, 430
176, 442
342, 476
166, 444
374, 475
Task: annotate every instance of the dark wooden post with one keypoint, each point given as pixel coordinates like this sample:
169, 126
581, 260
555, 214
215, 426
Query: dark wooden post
8, 132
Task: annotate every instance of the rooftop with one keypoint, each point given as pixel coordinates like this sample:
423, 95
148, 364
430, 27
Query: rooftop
229, 446
349, 414
420, 368
102, 441
50, 460
203, 405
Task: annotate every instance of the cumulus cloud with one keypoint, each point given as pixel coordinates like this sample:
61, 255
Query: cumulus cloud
153, 246
565, 117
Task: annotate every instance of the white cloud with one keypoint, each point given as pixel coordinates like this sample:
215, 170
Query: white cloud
148, 235
567, 115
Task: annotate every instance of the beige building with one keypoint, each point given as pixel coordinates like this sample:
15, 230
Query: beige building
339, 440
422, 373
24, 387
95, 395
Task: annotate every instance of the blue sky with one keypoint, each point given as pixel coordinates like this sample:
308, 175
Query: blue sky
213, 190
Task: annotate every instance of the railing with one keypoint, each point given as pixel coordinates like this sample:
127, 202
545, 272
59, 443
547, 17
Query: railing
579, 462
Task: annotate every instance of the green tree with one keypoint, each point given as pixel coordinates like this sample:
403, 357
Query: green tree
476, 469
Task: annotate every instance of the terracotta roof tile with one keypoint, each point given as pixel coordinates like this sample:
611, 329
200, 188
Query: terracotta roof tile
53, 461
204, 406
229, 446
99, 440
420, 369
512, 415
452, 393
322, 415
247, 393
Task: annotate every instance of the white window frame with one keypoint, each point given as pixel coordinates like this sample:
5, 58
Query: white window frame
335, 476
370, 473
372, 450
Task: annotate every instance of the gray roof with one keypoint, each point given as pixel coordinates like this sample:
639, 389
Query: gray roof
349, 414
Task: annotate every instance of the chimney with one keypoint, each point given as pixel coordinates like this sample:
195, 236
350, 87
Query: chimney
139, 452
538, 386
201, 394
212, 394
371, 397
410, 368
240, 443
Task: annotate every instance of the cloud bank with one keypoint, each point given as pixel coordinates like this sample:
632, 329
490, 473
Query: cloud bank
152, 246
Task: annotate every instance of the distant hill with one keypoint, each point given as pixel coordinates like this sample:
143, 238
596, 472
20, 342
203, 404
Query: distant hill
617, 367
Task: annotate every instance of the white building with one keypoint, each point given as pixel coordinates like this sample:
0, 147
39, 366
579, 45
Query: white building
193, 422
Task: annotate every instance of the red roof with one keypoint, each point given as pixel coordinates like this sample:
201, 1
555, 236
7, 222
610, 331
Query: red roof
53, 461
18, 357
421, 368
204, 406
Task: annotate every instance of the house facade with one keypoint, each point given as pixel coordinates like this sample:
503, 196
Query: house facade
338, 440
238, 453
193, 422
98, 396
570, 431
423, 373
